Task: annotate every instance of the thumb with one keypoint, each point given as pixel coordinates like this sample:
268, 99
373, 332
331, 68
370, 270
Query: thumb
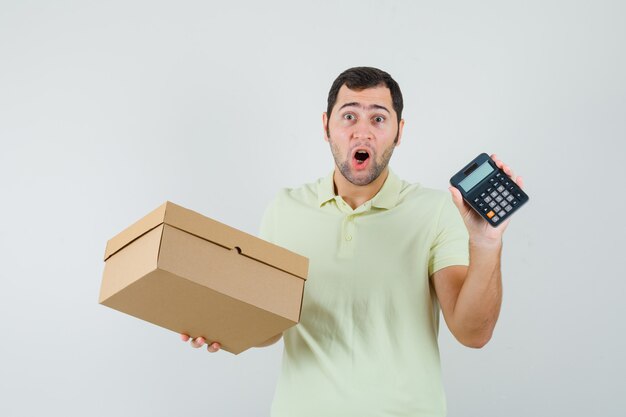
457, 199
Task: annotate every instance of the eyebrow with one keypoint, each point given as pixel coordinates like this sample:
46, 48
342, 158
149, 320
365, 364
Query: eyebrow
370, 107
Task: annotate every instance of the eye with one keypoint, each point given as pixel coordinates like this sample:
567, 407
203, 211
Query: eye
349, 116
379, 119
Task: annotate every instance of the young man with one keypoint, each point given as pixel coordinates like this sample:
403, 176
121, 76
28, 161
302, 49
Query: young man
385, 257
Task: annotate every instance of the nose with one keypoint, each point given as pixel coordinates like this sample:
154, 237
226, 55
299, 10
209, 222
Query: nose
362, 130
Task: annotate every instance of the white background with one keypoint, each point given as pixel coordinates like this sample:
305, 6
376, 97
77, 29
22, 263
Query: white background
107, 109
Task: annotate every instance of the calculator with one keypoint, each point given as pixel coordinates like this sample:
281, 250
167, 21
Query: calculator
488, 190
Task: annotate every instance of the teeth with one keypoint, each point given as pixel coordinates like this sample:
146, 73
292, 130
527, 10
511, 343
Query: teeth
361, 156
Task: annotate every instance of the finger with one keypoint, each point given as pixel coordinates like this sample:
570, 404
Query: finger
184, 337
520, 182
213, 347
456, 196
497, 161
197, 342
507, 169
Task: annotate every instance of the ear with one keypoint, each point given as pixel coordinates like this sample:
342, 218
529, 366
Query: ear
325, 125
400, 128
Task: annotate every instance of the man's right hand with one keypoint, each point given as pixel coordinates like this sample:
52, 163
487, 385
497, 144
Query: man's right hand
198, 342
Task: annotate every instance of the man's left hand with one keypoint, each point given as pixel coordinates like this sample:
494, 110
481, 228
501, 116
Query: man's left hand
480, 232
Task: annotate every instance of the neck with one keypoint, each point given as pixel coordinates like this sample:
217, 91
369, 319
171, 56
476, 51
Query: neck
356, 195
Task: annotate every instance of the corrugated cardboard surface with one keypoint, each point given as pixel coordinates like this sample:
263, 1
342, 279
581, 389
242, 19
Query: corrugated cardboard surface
183, 271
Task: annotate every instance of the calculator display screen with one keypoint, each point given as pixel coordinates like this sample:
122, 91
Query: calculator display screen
477, 176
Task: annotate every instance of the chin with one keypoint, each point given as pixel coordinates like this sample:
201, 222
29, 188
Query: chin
362, 178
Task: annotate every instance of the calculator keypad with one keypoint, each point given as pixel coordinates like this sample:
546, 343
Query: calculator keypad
498, 198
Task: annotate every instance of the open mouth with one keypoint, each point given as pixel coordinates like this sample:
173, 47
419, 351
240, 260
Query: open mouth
361, 156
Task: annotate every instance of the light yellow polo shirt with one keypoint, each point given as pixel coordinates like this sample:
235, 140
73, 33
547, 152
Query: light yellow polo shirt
367, 341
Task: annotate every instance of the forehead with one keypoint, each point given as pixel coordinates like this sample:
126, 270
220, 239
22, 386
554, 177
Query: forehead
380, 96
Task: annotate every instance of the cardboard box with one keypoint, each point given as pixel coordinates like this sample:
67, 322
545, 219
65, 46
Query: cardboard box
191, 274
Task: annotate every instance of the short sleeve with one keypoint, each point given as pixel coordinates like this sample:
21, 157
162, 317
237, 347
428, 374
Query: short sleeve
451, 243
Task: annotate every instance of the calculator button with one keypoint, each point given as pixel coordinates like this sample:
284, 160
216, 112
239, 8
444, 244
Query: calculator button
501, 213
495, 219
494, 194
505, 193
493, 204
501, 188
499, 198
489, 190
491, 214
508, 208
496, 184
503, 203
482, 195
514, 203
487, 199
498, 175
476, 200
510, 198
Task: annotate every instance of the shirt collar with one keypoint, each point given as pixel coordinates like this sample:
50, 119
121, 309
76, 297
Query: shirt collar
389, 194
326, 189
386, 198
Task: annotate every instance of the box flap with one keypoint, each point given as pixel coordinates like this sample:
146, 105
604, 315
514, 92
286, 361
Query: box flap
213, 231
136, 230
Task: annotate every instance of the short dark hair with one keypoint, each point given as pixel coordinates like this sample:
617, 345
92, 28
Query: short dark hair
360, 78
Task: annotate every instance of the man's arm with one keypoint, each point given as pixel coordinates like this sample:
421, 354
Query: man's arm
470, 297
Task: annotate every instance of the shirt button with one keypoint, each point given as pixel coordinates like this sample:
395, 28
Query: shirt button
348, 238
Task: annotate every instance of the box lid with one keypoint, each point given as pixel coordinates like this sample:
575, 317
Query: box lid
212, 231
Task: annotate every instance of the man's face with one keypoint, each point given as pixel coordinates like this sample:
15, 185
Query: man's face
363, 131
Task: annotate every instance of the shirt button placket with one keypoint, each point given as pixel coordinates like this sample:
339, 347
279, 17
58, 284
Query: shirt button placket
349, 227
347, 236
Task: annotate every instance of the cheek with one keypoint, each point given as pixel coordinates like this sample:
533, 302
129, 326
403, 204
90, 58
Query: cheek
339, 152
340, 137
390, 135
337, 130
